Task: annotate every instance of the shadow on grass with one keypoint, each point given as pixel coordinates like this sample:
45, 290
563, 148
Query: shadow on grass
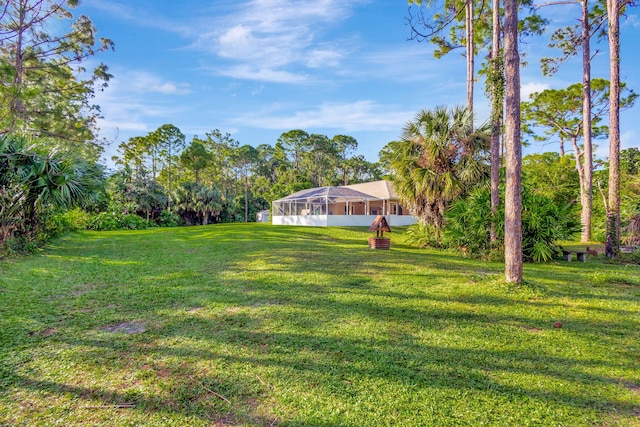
329, 361
188, 398
270, 302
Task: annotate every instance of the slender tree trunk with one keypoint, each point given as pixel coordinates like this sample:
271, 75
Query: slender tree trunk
169, 182
513, 194
497, 86
579, 164
613, 213
584, 178
469, 24
154, 168
16, 105
562, 147
586, 193
246, 198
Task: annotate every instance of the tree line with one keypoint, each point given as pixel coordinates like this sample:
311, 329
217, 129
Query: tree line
445, 167
216, 179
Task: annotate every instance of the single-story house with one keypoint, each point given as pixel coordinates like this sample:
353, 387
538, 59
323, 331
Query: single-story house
348, 205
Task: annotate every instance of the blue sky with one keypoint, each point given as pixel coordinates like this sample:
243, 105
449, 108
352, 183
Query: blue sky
258, 68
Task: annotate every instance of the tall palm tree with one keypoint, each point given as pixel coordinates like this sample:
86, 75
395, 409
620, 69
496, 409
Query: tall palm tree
197, 204
210, 203
185, 200
439, 159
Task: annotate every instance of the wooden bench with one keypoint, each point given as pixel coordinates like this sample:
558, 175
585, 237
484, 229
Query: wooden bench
582, 256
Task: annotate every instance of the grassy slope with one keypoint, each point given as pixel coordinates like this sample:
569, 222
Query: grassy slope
309, 327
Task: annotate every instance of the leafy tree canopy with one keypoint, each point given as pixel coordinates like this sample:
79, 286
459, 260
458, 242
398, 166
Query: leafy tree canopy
44, 88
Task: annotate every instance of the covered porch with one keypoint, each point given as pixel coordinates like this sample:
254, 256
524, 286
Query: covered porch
336, 206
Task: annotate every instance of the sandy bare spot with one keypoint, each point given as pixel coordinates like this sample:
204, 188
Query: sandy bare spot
135, 327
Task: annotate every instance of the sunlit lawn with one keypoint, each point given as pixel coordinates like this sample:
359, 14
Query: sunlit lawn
264, 325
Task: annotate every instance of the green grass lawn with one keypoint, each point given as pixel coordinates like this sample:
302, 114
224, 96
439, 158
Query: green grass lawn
260, 325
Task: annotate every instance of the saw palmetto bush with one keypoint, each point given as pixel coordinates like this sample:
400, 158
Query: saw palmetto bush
544, 223
36, 183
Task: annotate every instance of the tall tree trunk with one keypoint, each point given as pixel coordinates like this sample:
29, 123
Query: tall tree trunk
497, 86
246, 198
584, 178
586, 190
613, 213
513, 194
470, 30
16, 105
169, 182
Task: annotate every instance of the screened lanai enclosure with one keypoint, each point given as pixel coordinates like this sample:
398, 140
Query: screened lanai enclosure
351, 205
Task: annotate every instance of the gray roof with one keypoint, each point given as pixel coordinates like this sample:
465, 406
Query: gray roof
382, 189
332, 194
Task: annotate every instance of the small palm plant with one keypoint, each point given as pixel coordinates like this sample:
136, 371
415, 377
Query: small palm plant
33, 181
544, 223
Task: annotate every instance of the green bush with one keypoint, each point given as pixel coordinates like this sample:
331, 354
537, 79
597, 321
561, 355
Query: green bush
468, 224
544, 222
116, 221
75, 219
168, 219
20, 244
422, 235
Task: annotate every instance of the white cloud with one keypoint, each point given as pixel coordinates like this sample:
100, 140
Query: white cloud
271, 37
266, 39
248, 72
527, 89
113, 8
414, 62
139, 15
146, 82
628, 139
123, 125
126, 107
324, 57
348, 117
237, 42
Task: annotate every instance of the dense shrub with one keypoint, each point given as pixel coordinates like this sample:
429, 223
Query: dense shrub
423, 235
469, 223
48, 225
116, 221
544, 222
37, 183
72, 220
168, 219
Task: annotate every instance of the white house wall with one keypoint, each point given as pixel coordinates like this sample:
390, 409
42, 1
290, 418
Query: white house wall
306, 220
340, 220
